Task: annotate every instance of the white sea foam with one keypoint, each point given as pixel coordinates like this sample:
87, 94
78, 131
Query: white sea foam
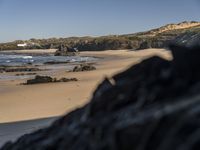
27, 57
22, 59
72, 60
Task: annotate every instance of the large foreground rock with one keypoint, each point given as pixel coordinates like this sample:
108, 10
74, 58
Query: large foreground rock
190, 38
154, 105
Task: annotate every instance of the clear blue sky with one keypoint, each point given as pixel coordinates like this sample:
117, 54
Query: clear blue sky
25, 19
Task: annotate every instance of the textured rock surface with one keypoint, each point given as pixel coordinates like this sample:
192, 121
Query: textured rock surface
47, 79
18, 69
64, 50
84, 67
154, 105
190, 38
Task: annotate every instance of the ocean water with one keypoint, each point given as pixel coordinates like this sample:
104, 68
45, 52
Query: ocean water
19, 60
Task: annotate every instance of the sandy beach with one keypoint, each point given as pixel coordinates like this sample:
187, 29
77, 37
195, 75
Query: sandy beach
32, 102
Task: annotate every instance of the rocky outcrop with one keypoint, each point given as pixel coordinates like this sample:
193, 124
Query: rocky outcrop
152, 105
190, 38
25, 74
107, 43
84, 67
40, 79
64, 50
155, 38
18, 69
65, 79
47, 79
56, 62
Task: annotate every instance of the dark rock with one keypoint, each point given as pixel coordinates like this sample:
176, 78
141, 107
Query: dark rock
29, 63
66, 51
56, 62
150, 106
107, 43
145, 45
47, 79
18, 69
84, 67
25, 74
67, 79
186, 60
40, 79
189, 39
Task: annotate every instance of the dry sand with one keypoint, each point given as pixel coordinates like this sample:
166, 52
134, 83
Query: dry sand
28, 102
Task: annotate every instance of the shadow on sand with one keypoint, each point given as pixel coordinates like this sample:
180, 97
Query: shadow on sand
11, 131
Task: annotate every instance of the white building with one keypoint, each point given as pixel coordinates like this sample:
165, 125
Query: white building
22, 45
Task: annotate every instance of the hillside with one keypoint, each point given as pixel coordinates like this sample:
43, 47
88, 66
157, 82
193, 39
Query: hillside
185, 33
161, 37
171, 27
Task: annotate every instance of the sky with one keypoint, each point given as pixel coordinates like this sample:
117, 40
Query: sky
25, 19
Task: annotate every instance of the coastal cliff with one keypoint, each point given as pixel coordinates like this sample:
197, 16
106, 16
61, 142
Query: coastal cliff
155, 38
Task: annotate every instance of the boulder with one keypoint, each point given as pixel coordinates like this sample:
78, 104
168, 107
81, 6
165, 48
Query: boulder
47, 79
84, 67
40, 79
66, 51
67, 79
145, 45
150, 106
25, 74
18, 69
56, 62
